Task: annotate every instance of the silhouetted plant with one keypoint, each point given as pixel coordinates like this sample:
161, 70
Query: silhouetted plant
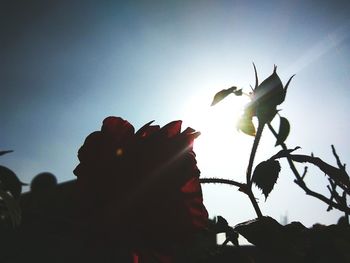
294, 239
265, 98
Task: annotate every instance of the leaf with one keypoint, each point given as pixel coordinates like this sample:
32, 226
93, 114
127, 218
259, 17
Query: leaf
5, 152
263, 232
246, 125
283, 131
222, 94
265, 175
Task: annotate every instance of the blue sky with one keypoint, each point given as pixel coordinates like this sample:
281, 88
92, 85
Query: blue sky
66, 66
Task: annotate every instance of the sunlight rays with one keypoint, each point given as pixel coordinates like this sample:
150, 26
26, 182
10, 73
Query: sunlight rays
330, 42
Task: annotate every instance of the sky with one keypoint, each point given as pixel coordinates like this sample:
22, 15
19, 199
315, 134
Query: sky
66, 65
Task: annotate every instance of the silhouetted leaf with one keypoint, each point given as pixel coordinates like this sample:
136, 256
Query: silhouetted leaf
5, 152
222, 94
246, 125
263, 232
265, 175
283, 131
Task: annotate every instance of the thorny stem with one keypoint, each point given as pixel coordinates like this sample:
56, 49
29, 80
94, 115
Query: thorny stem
249, 191
253, 152
220, 181
254, 202
299, 180
242, 187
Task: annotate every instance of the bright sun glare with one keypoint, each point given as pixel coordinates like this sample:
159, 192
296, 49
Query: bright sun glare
220, 142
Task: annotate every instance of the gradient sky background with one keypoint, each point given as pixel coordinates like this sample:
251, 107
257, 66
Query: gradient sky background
65, 66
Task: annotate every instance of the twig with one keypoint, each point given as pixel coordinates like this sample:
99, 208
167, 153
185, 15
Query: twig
342, 168
335, 173
332, 191
340, 165
304, 173
299, 180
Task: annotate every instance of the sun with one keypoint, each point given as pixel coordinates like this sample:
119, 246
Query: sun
220, 142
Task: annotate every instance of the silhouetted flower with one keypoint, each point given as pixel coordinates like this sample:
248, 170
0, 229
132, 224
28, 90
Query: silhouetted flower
141, 189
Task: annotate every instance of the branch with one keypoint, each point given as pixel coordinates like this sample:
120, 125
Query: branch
299, 180
336, 174
332, 189
342, 168
321, 197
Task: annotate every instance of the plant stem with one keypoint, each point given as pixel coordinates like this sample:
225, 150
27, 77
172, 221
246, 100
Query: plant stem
253, 152
254, 202
249, 191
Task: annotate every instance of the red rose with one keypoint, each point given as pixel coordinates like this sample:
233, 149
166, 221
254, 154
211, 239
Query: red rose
140, 189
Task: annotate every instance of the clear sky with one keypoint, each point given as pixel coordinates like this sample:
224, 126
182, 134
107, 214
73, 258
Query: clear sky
64, 66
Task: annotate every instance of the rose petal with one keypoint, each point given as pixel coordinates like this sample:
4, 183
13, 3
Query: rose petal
147, 130
171, 129
91, 146
117, 127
